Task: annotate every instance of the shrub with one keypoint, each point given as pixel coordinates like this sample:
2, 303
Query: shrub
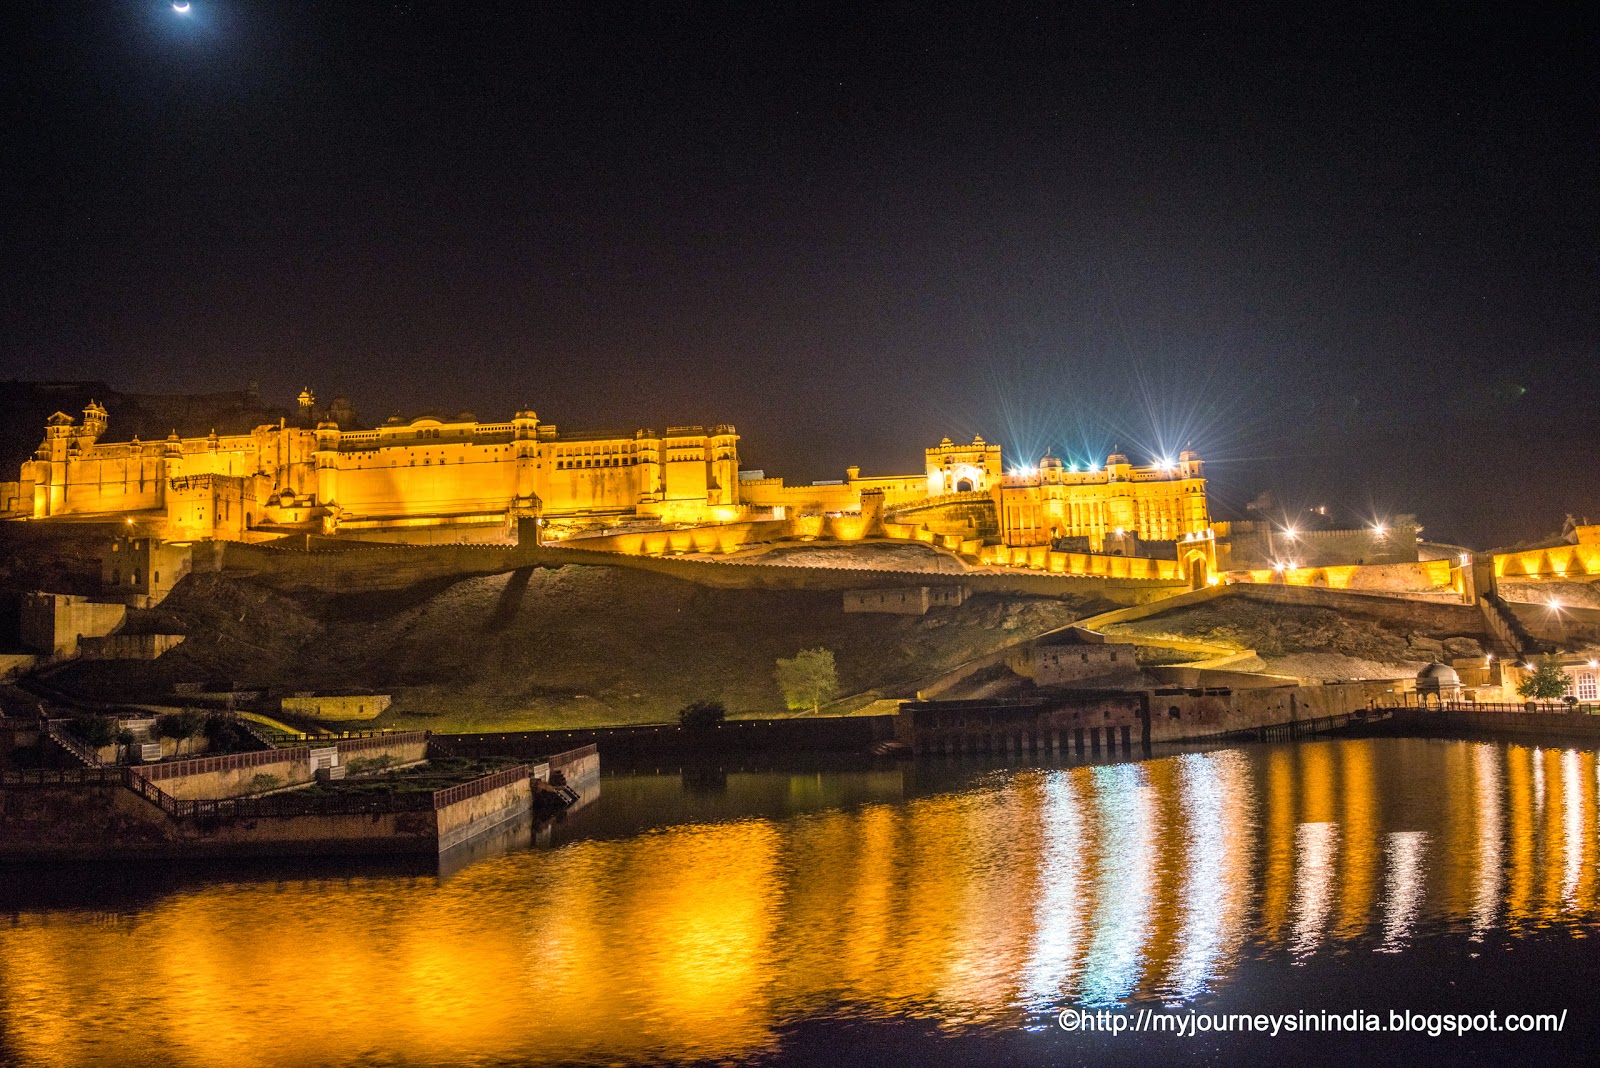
702, 714
362, 765
264, 783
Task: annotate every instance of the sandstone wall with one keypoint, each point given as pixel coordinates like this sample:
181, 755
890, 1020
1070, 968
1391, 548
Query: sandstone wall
472, 816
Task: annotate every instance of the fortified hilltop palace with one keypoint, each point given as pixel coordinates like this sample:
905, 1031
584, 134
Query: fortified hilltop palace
319, 473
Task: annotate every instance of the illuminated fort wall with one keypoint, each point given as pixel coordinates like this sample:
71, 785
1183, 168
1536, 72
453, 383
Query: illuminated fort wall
427, 470
1580, 561
468, 476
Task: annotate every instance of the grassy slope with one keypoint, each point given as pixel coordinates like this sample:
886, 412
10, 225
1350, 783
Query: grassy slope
568, 647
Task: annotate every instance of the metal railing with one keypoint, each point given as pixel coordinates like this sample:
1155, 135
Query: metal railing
356, 743
291, 803
492, 781
1543, 708
228, 762
295, 803
78, 749
326, 737
558, 761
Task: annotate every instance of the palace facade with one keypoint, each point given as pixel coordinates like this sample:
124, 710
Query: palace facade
1100, 504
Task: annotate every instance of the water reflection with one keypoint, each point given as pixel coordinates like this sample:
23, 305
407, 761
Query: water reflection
1403, 888
689, 918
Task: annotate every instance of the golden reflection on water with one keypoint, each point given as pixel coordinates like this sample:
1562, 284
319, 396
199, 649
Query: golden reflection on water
989, 905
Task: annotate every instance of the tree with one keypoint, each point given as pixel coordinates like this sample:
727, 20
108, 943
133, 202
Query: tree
808, 679
181, 725
224, 735
1546, 682
96, 730
702, 714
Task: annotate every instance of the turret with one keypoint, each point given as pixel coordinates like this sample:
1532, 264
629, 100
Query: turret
57, 431
94, 423
308, 406
327, 461
724, 452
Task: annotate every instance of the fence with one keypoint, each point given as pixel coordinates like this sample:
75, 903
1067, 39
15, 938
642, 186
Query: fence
229, 762
493, 781
1544, 708
345, 737
360, 742
286, 804
293, 803
560, 761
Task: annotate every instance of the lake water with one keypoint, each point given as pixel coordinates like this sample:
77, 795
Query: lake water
927, 912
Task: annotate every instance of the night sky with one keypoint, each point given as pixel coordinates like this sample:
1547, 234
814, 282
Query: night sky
1349, 253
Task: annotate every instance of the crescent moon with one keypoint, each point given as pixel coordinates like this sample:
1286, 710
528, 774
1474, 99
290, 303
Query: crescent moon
182, 9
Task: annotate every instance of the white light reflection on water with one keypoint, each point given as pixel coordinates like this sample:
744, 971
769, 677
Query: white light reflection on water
1216, 801
1315, 849
1127, 852
1487, 881
1572, 825
1057, 918
1402, 887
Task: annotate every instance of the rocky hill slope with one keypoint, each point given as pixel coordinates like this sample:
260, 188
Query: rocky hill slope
543, 648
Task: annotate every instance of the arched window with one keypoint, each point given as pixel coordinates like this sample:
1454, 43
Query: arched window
1587, 690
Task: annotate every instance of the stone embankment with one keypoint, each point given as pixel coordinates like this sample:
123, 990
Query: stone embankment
245, 804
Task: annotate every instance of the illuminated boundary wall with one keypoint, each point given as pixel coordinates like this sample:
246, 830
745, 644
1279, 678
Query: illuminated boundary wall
336, 706
1566, 562
732, 537
1426, 576
1098, 565
727, 538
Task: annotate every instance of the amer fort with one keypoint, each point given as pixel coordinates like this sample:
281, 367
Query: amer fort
217, 619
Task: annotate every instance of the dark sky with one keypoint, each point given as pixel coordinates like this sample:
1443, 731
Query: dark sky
1349, 253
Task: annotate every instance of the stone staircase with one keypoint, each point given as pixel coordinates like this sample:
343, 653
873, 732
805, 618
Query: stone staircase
1511, 638
80, 753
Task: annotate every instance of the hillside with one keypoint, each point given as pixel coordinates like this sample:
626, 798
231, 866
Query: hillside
535, 648
1310, 642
